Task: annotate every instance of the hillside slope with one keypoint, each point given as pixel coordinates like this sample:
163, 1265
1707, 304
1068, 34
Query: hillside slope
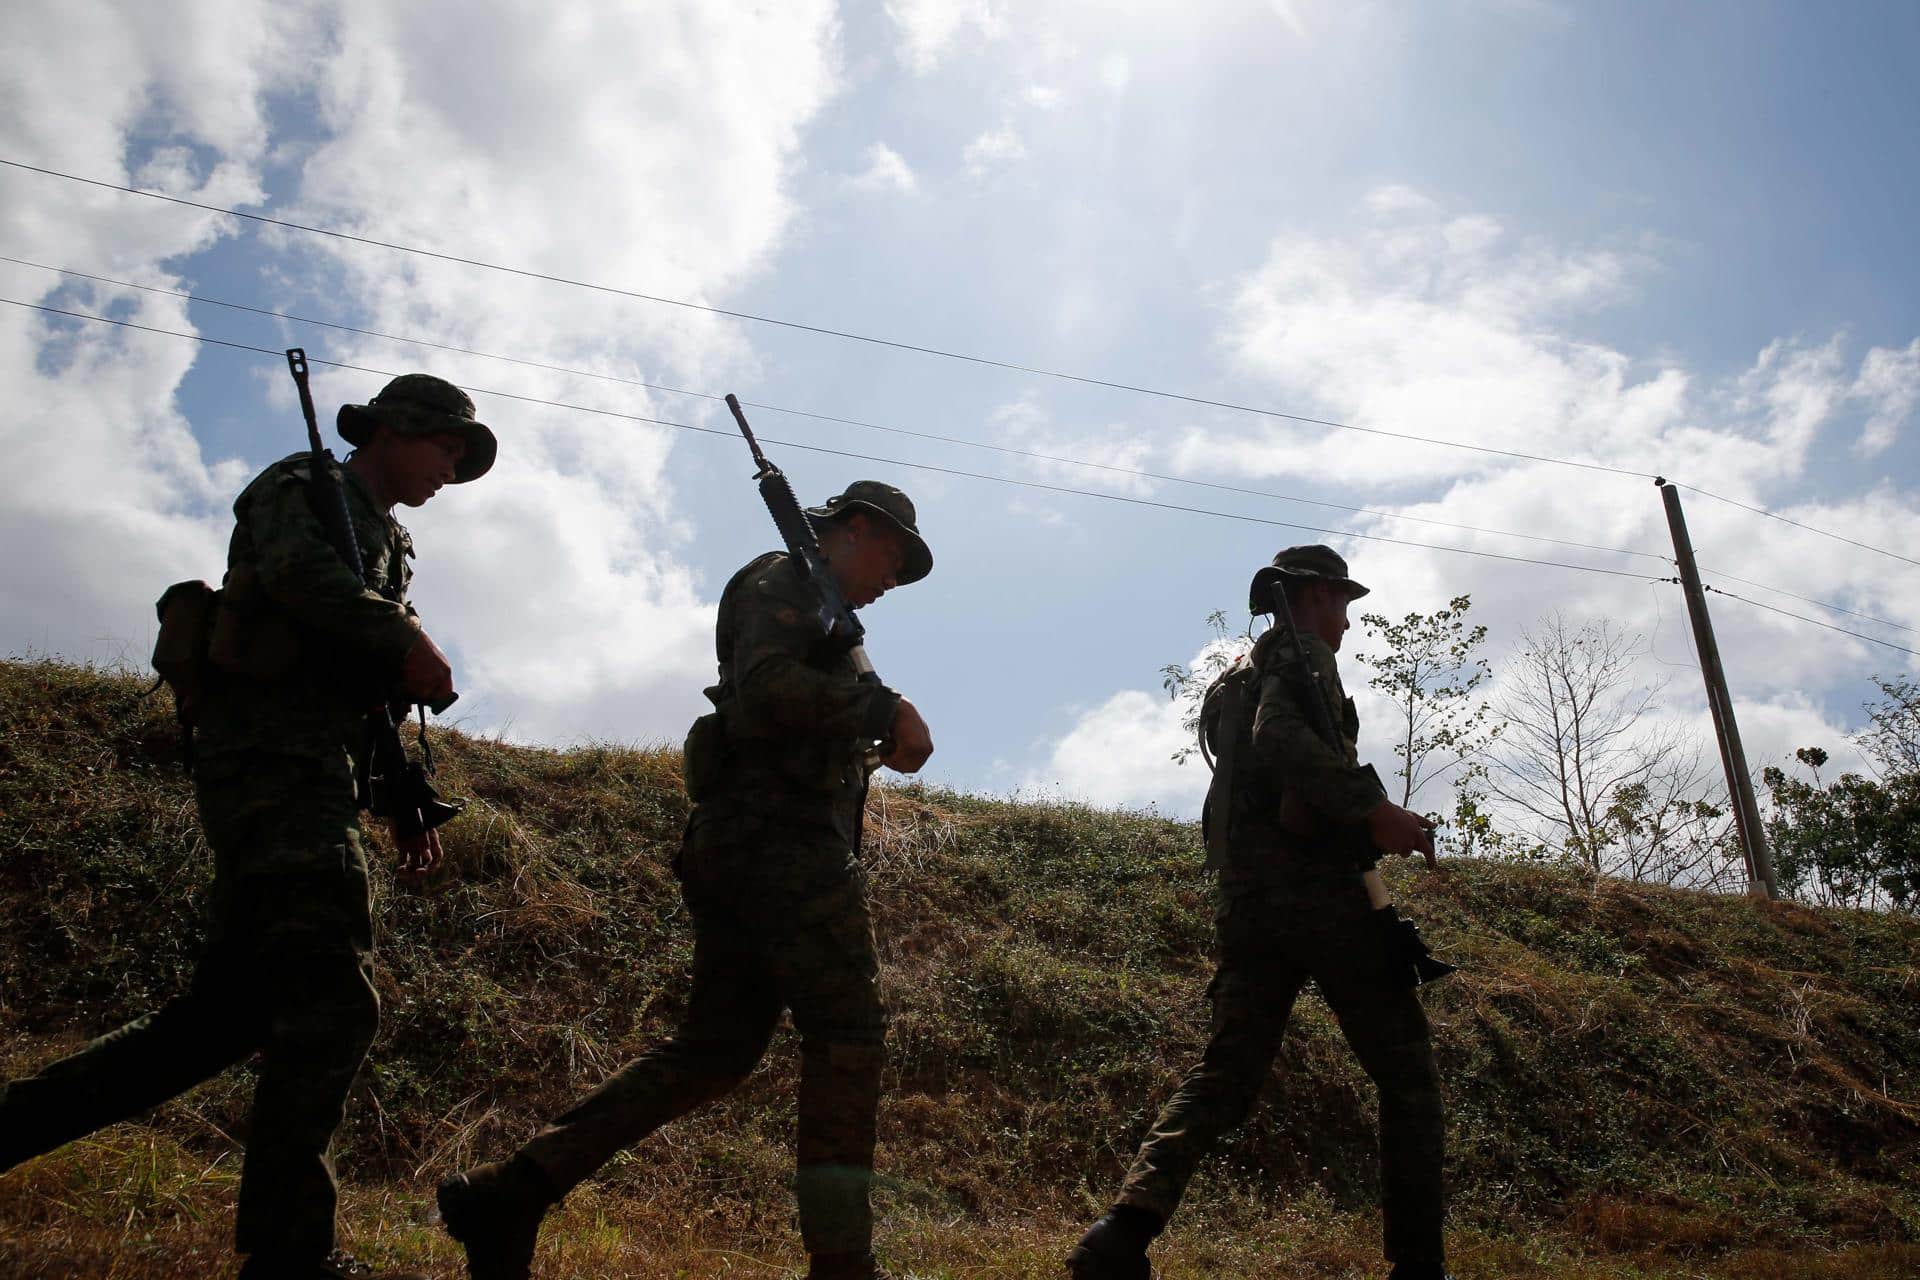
1639, 1081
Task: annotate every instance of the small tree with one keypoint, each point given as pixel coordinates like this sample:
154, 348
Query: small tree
1584, 763
1189, 684
1855, 841
1431, 673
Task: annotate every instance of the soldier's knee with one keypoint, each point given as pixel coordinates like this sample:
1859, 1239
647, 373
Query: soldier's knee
725, 1057
330, 1005
1414, 1090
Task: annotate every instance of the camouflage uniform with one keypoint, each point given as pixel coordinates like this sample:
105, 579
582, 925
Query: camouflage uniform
779, 910
1293, 909
287, 970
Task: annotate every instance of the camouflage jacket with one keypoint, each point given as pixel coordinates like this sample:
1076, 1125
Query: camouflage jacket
1321, 779
317, 647
796, 717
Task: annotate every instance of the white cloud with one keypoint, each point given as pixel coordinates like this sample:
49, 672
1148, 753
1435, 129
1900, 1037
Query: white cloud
1394, 199
1121, 753
995, 149
105, 497
886, 171
1889, 383
1455, 326
556, 147
1115, 451
928, 29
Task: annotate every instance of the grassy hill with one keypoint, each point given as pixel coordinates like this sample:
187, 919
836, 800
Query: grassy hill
1640, 1082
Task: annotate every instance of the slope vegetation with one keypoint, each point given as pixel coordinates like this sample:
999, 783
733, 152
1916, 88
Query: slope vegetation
1640, 1081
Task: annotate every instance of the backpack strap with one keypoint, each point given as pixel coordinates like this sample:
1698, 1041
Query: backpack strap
1230, 726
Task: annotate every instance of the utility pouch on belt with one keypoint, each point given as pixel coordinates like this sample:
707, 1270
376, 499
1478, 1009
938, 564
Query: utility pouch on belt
250, 637
703, 759
186, 612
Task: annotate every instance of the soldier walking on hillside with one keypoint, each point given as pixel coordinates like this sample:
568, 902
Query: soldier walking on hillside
1302, 821
778, 776
305, 647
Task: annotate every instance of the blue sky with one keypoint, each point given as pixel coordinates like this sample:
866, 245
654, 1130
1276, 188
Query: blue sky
1672, 238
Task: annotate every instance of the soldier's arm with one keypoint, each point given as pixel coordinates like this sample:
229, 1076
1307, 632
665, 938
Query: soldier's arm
1286, 740
307, 576
778, 691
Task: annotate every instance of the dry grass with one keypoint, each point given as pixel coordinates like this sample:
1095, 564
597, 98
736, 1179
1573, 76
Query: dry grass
1641, 1083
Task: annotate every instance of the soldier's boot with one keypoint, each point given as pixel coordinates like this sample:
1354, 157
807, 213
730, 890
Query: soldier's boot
335, 1266
845, 1266
1115, 1247
494, 1211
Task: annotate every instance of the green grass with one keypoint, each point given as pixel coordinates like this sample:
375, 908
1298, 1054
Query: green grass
1640, 1082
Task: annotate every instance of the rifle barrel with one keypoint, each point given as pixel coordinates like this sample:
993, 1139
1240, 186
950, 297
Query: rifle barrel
759, 458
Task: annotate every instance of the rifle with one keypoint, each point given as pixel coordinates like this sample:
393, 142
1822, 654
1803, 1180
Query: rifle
396, 788
836, 618
1403, 939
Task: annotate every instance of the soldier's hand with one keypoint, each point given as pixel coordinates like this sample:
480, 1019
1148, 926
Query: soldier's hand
420, 854
912, 741
425, 673
1401, 831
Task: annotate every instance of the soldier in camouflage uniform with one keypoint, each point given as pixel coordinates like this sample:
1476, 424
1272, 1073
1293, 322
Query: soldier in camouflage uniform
304, 648
769, 873
1293, 906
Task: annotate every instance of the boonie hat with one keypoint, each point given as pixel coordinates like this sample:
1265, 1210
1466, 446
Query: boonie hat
419, 404
1312, 562
891, 505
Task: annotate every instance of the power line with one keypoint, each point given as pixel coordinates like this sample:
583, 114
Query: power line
1824, 604
1788, 613
823, 417
1775, 515
1009, 480
865, 457
525, 273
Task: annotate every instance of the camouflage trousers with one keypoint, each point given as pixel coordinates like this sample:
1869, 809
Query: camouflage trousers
780, 922
287, 973
1270, 944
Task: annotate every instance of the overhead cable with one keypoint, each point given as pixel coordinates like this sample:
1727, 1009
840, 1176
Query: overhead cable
1012, 366
1824, 604
1788, 613
1008, 480
1798, 524
865, 457
1112, 468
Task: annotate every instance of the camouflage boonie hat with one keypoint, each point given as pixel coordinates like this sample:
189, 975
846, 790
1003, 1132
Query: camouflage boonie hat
1310, 563
419, 404
892, 506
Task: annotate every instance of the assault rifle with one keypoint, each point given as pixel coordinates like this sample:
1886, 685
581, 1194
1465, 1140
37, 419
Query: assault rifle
397, 789
836, 618
1402, 936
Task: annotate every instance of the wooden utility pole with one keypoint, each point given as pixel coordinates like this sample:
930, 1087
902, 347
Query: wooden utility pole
1733, 758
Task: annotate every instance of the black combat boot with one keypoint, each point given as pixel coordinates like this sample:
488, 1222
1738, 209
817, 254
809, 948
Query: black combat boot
494, 1211
1115, 1247
845, 1266
335, 1266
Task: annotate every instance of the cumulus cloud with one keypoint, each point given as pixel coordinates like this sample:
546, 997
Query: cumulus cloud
1120, 752
886, 171
556, 147
1104, 457
995, 149
1453, 325
928, 29
1889, 384
106, 497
